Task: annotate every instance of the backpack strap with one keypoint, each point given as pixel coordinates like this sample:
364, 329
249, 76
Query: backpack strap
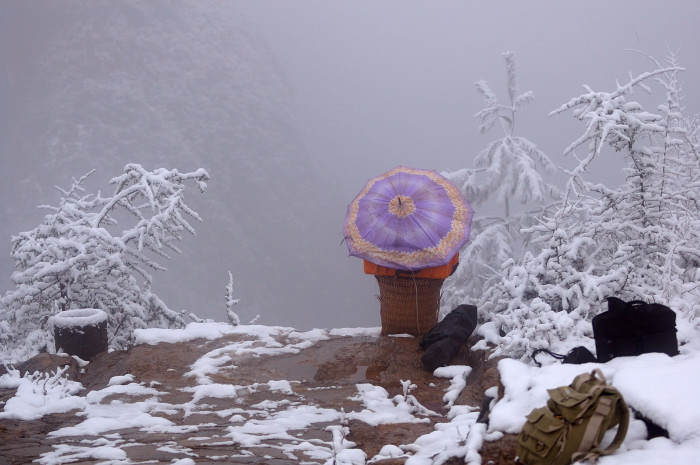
546, 351
583, 378
589, 436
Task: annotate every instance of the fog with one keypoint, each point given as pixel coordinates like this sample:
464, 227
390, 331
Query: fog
292, 106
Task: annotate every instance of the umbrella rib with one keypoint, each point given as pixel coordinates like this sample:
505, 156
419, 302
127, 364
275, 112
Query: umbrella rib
420, 226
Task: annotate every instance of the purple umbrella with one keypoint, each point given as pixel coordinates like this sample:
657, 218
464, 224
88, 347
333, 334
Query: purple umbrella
408, 219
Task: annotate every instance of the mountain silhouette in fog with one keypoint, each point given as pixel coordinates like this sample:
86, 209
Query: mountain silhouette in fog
186, 85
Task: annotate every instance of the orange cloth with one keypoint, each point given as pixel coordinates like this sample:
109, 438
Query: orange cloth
436, 272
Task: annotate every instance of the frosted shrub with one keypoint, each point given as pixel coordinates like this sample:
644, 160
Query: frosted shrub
39, 394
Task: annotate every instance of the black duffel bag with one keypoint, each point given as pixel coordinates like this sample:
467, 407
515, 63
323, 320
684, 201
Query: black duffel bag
633, 328
444, 340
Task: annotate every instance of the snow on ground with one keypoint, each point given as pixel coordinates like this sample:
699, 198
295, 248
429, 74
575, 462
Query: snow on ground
660, 387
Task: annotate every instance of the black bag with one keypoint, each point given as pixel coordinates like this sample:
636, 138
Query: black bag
444, 340
576, 356
634, 328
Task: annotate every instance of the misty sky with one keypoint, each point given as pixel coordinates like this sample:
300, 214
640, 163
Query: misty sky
384, 83
381, 84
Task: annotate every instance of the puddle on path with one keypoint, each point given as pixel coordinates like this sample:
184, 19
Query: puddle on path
369, 373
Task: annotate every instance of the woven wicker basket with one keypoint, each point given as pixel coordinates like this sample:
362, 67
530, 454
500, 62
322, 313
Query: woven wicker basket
408, 305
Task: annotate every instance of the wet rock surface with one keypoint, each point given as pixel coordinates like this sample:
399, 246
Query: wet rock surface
324, 375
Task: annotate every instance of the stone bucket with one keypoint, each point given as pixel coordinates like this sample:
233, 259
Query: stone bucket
81, 332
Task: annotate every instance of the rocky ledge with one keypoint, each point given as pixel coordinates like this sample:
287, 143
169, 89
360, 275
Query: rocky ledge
189, 424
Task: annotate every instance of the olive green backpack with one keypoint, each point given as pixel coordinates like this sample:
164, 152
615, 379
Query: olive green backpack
572, 425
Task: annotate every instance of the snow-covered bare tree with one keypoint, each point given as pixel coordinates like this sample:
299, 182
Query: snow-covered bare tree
636, 241
79, 257
231, 302
679, 153
509, 169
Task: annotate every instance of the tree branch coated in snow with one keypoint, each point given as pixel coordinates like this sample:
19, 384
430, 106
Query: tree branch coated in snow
77, 258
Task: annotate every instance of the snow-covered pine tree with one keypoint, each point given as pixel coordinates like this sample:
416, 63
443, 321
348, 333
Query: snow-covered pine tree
78, 258
631, 241
509, 169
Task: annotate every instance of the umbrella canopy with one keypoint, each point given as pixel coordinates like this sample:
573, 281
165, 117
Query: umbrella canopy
408, 219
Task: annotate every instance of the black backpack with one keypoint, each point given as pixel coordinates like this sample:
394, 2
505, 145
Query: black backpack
634, 328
